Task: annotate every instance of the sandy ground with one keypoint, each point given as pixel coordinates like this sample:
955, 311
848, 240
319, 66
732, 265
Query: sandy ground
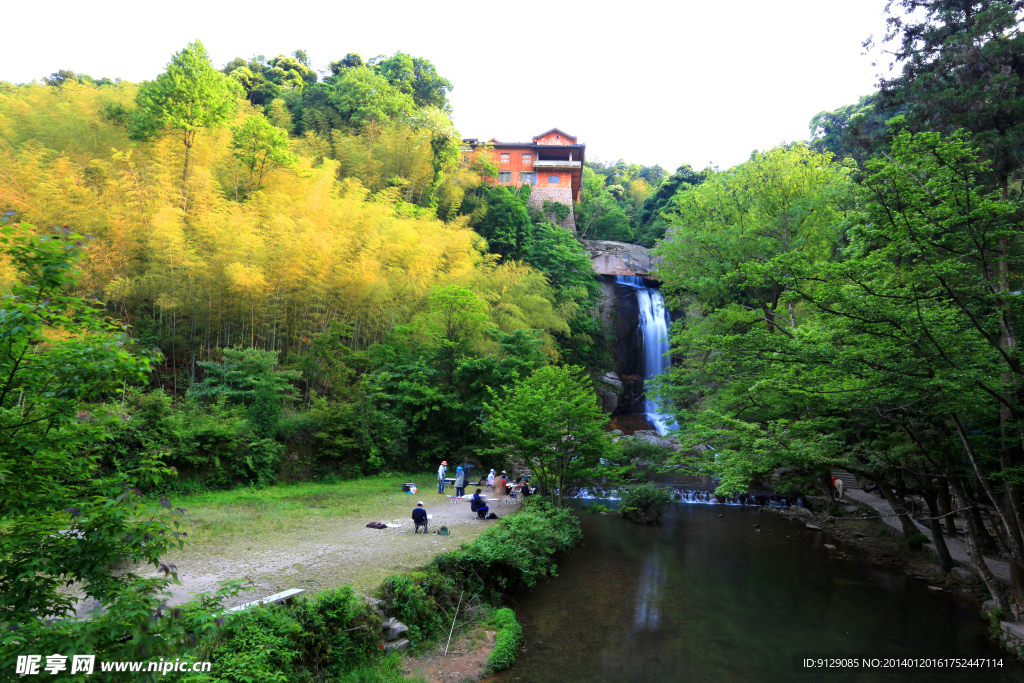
324, 552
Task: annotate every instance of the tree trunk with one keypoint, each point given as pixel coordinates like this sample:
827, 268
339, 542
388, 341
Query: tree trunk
189, 138
931, 499
830, 492
909, 527
971, 535
946, 508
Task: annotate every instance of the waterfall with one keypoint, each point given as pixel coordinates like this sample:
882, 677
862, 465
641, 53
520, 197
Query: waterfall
653, 331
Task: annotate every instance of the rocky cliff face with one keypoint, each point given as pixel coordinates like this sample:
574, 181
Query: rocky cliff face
618, 258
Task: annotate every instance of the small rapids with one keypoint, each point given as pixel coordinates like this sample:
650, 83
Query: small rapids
697, 496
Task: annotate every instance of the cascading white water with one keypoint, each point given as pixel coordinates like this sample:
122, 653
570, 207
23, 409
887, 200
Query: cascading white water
654, 324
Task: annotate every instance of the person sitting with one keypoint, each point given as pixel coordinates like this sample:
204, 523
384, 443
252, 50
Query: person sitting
419, 517
478, 504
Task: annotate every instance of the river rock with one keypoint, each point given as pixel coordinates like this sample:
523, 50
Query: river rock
813, 527
830, 547
803, 512
937, 589
396, 631
850, 509
402, 644
963, 575
988, 606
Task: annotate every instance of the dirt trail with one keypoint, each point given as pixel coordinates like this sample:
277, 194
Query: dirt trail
323, 552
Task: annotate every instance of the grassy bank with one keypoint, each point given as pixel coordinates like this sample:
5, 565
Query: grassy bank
214, 516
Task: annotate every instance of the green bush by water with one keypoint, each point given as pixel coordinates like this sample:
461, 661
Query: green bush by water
515, 553
644, 503
506, 642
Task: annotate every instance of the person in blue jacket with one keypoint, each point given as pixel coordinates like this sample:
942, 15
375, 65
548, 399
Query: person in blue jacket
419, 518
479, 505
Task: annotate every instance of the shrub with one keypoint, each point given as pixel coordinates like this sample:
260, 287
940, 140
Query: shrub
403, 597
916, 542
644, 503
506, 642
258, 645
516, 553
645, 458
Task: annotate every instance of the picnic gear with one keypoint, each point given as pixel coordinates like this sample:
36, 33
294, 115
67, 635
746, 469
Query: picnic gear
377, 525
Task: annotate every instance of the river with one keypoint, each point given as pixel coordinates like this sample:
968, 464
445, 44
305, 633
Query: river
707, 596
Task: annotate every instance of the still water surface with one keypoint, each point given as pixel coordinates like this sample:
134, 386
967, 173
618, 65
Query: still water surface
710, 598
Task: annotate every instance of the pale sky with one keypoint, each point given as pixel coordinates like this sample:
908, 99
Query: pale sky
649, 82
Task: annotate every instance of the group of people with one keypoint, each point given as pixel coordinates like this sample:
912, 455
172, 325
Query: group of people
499, 483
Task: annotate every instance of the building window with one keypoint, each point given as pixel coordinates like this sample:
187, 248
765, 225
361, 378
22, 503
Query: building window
504, 176
527, 158
527, 178
505, 157
465, 159
553, 179
558, 137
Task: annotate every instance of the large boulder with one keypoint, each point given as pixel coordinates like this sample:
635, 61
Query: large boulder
609, 388
619, 258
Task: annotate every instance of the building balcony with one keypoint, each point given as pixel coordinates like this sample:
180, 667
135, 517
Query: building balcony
557, 164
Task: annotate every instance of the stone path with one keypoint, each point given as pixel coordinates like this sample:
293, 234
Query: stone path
957, 549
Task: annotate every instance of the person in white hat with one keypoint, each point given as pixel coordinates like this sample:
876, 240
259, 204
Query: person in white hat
441, 471
419, 517
490, 479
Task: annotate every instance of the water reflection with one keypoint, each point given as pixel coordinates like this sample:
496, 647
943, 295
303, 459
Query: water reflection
708, 597
648, 595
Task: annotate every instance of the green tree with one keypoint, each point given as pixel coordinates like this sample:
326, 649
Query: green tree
962, 67
241, 373
649, 223
598, 214
784, 204
553, 422
858, 130
65, 523
260, 147
505, 223
364, 97
189, 96
417, 77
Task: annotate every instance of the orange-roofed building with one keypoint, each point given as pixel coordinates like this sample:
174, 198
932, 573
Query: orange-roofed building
551, 163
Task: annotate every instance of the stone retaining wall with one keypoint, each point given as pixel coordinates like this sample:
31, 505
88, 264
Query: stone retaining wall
558, 195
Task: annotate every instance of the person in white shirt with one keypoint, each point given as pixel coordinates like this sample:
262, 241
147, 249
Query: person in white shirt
490, 479
441, 471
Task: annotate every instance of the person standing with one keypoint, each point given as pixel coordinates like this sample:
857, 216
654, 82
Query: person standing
419, 517
490, 479
460, 482
501, 486
441, 471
